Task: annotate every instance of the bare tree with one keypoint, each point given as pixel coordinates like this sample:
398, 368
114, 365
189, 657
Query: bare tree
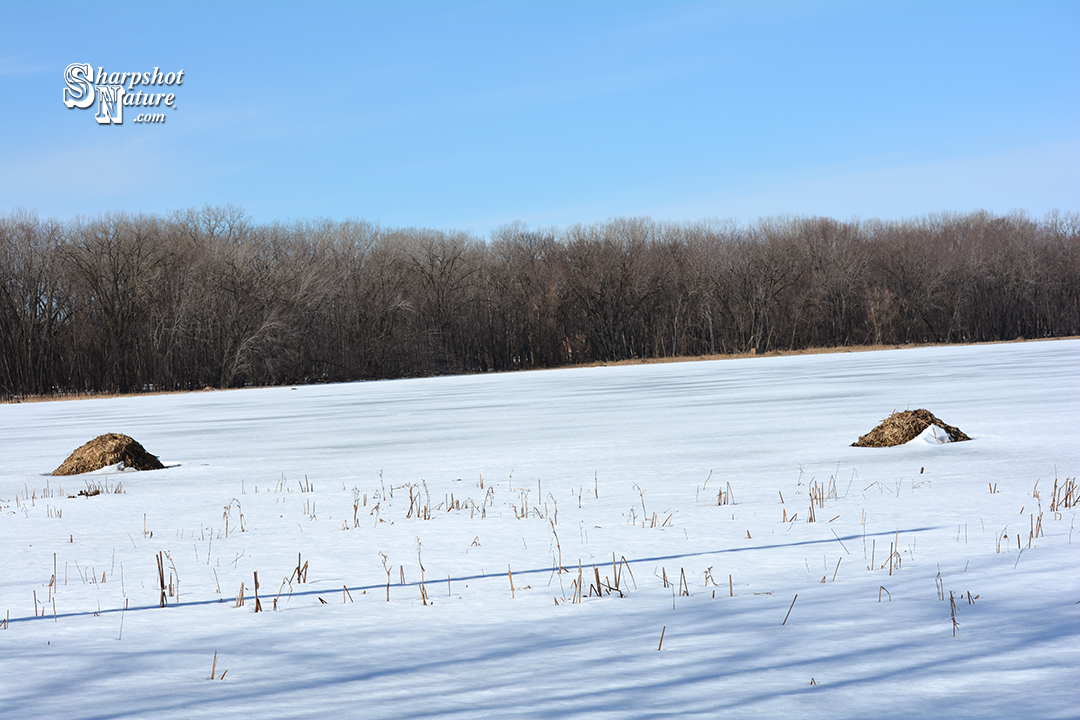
207, 297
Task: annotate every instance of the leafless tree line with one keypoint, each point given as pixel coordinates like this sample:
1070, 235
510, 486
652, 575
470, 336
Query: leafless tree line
206, 297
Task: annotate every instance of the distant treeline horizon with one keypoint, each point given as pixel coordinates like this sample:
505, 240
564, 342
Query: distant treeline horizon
208, 298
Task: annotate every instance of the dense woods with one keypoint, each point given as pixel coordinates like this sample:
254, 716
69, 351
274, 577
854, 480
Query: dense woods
129, 303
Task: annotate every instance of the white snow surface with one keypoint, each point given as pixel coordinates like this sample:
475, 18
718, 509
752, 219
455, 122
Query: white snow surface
932, 435
578, 464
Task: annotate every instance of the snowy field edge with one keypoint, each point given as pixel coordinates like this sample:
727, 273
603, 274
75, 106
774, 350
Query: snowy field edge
420, 545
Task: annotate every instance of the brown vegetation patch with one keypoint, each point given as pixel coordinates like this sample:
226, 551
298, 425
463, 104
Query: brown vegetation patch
905, 426
106, 450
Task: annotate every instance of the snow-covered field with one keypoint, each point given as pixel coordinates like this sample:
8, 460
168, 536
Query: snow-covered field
475, 490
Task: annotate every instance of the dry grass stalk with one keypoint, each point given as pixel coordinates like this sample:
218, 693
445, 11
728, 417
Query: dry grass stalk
895, 553
213, 670
905, 426
610, 588
386, 568
174, 587
558, 547
284, 582
841, 541
625, 563
724, 497
300, 572
789, 609
105, 450
1032, 530
1064, 496
161, 579
100, 487
417, 504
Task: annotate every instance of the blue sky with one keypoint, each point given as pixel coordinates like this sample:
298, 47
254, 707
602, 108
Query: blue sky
470, 115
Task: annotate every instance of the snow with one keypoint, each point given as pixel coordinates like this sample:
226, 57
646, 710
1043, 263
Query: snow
114, 469
585, 464
932, 435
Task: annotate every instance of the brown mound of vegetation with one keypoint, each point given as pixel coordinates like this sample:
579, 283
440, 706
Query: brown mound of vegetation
107, 450
902, 427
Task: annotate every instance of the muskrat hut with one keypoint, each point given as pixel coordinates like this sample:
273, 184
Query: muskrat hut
106, 450
905, 426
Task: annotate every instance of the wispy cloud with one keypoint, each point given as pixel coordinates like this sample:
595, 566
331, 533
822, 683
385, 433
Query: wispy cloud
95, 170
24, 67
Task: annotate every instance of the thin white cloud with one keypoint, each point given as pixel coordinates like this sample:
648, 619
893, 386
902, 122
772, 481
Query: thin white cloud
94, 170
16, 69
11, 66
